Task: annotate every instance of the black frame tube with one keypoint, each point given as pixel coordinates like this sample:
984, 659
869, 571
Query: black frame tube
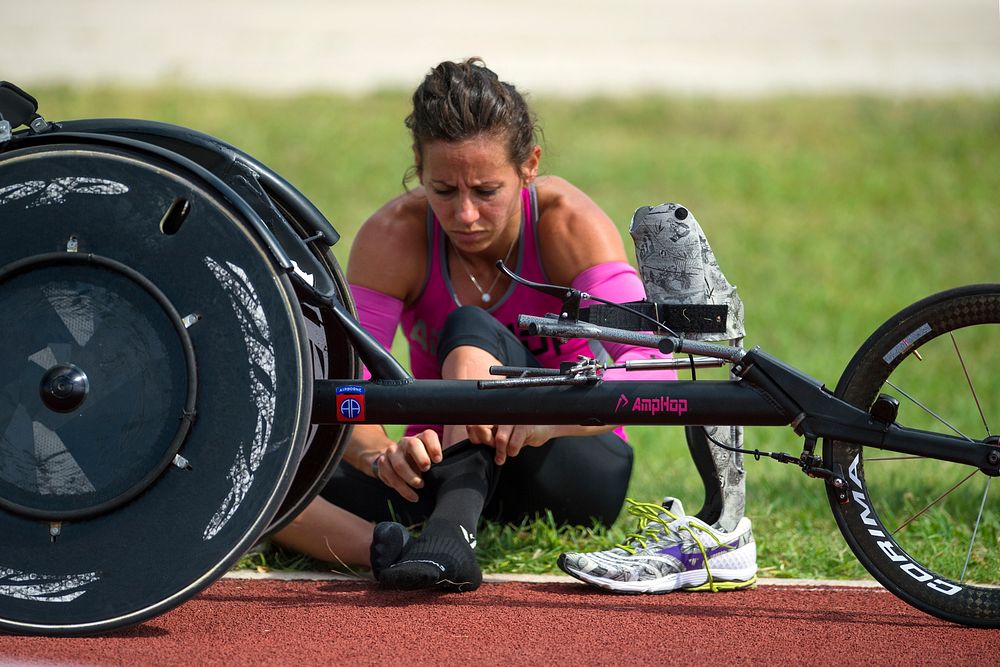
677, 403
717, 402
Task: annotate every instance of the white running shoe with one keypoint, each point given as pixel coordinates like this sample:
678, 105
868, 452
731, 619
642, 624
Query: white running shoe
670, 551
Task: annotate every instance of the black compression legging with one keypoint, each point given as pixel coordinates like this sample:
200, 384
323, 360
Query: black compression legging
577, 478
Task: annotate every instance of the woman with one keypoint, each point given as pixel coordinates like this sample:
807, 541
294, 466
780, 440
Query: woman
427, 260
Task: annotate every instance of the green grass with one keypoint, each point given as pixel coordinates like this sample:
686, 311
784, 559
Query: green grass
829, 213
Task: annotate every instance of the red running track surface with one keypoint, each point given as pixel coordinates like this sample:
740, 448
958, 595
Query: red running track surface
300, 623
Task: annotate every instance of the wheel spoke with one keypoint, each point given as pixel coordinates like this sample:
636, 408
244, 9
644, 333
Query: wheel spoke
972, 387
975, 528
934, 502
928, 410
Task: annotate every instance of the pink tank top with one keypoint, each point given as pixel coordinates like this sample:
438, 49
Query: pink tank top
423, 320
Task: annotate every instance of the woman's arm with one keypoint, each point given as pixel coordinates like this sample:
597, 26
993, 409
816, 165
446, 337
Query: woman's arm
381, 288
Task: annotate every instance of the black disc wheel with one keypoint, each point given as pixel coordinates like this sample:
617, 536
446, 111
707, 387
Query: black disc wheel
928, 530
285, 211
156, 382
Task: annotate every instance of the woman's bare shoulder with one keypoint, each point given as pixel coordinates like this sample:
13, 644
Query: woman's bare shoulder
566, 209
573, 231
389, 252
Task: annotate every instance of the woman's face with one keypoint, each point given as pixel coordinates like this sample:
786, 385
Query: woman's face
475, 190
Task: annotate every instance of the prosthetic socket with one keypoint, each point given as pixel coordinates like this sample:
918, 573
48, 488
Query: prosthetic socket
677, 265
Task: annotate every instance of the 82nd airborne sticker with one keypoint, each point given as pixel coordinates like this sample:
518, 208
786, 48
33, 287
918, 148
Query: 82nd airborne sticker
350, 403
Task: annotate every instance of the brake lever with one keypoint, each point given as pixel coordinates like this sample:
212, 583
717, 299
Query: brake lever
582, 371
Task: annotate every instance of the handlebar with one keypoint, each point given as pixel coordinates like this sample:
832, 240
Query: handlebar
552, 326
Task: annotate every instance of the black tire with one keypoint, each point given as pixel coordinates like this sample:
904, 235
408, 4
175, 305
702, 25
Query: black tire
935, 546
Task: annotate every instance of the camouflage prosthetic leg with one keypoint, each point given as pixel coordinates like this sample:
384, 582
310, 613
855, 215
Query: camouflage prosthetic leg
678, 266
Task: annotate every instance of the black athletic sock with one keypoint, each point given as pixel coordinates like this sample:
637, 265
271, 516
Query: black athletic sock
443, 556
440, 558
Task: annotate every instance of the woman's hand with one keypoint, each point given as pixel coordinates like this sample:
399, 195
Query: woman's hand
509, 440
401, 464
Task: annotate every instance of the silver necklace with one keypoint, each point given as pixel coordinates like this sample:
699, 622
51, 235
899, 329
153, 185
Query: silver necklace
485, 294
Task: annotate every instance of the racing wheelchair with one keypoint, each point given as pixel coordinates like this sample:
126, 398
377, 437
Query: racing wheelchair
181, 362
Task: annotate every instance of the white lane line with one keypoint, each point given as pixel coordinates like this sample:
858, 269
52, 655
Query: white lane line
286, 575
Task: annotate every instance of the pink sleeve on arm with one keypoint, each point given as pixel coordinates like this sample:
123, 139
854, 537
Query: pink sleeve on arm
379, 314
619, 282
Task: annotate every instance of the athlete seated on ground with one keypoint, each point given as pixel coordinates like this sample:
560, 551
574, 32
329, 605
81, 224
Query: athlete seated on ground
427, 260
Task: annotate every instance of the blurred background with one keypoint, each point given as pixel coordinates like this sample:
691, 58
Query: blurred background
843, 156
554, 46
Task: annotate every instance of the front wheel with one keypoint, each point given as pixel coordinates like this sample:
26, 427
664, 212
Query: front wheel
928, 530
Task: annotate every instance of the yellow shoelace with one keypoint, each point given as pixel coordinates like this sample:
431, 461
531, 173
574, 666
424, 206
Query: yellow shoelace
651, 525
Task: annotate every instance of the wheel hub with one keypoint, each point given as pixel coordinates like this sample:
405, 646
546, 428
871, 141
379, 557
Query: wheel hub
94, 379
63, 388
